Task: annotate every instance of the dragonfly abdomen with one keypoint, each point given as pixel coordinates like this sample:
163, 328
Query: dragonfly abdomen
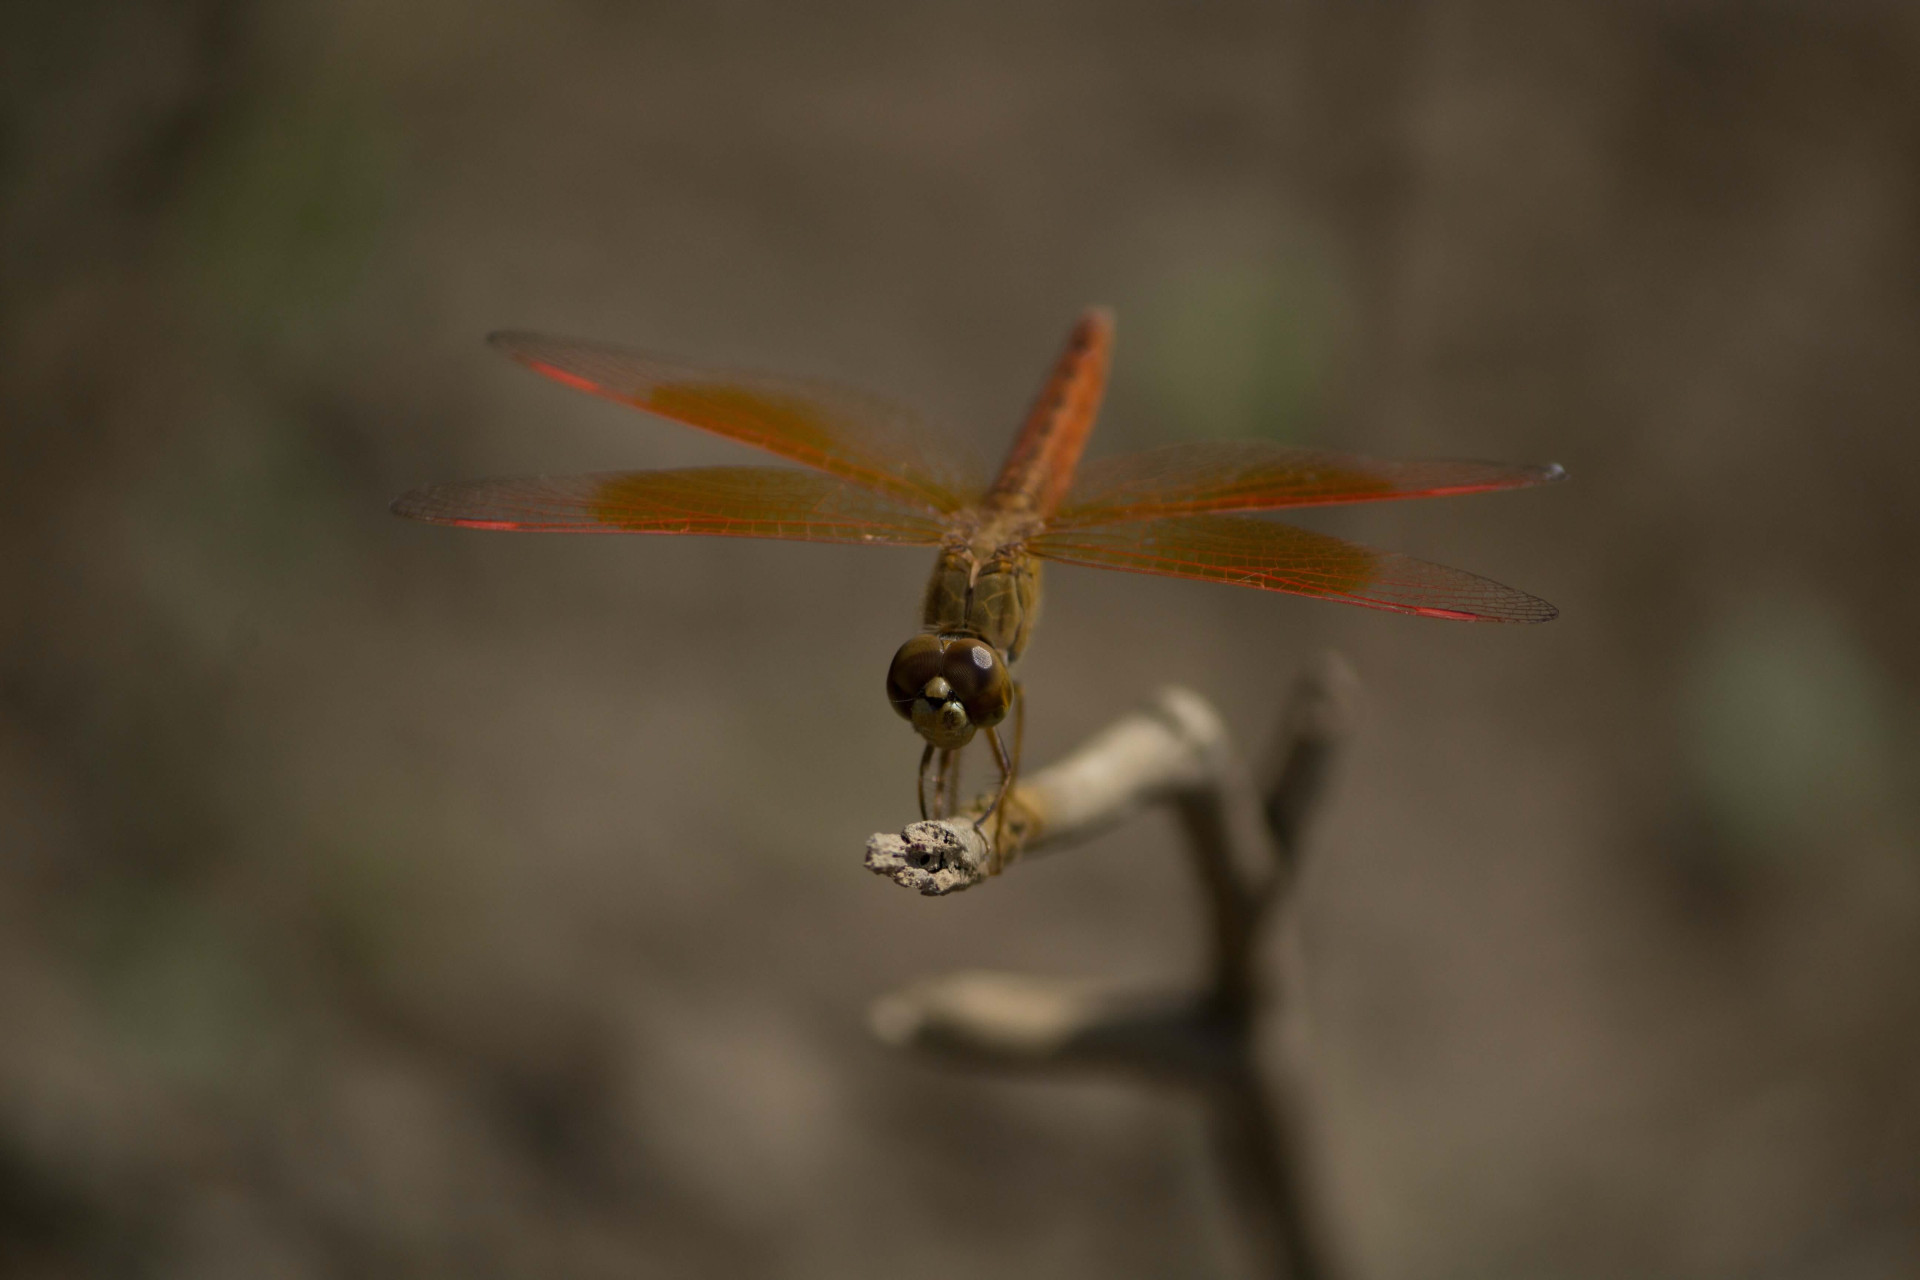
1040, 465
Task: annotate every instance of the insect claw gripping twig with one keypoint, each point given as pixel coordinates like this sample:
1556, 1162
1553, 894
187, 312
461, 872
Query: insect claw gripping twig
1176, 747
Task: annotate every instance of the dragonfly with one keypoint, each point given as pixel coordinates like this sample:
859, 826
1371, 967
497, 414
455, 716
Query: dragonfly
874, 475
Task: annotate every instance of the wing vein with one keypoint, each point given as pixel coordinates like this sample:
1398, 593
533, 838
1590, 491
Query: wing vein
859, 438
1253, 475
1270, 556
747, 502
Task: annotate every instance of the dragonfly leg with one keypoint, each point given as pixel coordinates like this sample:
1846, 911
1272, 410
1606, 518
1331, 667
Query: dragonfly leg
1010, 772
926, 758
947, 789
999, 798
1006, 776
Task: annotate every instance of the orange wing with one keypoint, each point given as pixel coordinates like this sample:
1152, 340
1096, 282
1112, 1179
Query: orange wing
736, 502
1252, 475
1278, 557
859, 438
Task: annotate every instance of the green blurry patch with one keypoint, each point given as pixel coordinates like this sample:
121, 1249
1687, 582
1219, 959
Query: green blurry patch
403, 862
179, 986
237, 526
1239, 346
280, 212
1791, 728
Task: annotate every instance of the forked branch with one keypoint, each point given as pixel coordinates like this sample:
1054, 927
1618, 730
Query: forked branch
1245, 841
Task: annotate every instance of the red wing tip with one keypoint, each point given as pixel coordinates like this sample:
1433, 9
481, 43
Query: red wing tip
418, 505
1538, 611
521, 346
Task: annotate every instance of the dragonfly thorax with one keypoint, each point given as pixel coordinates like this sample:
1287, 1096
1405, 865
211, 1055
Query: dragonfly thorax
993, 594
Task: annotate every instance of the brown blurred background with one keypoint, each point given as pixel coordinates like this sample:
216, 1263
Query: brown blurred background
381, 900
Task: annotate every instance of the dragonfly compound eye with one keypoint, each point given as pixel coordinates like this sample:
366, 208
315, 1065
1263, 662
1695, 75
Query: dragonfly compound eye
979, 679
917, 662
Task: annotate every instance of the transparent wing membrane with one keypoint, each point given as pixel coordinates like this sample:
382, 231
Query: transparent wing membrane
1253, 475
728, 502
859, 438
1269, 556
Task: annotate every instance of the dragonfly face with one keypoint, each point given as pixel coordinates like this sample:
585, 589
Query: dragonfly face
949, 686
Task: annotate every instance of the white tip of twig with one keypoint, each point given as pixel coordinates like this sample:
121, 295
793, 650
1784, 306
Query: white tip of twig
1327, 697
1199, 724
932, 858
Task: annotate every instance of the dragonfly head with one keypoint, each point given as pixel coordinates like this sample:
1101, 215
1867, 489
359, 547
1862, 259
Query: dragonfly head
949, 687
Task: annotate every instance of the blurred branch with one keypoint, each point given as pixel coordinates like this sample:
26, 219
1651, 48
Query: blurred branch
1245, 843
1318, 719
1010, 1019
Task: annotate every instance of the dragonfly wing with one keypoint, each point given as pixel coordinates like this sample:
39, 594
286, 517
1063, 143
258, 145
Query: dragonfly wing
730, 502
1254, 475
859, 438
1278, 557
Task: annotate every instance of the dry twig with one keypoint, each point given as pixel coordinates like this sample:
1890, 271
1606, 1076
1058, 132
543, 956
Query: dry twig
1244, 840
